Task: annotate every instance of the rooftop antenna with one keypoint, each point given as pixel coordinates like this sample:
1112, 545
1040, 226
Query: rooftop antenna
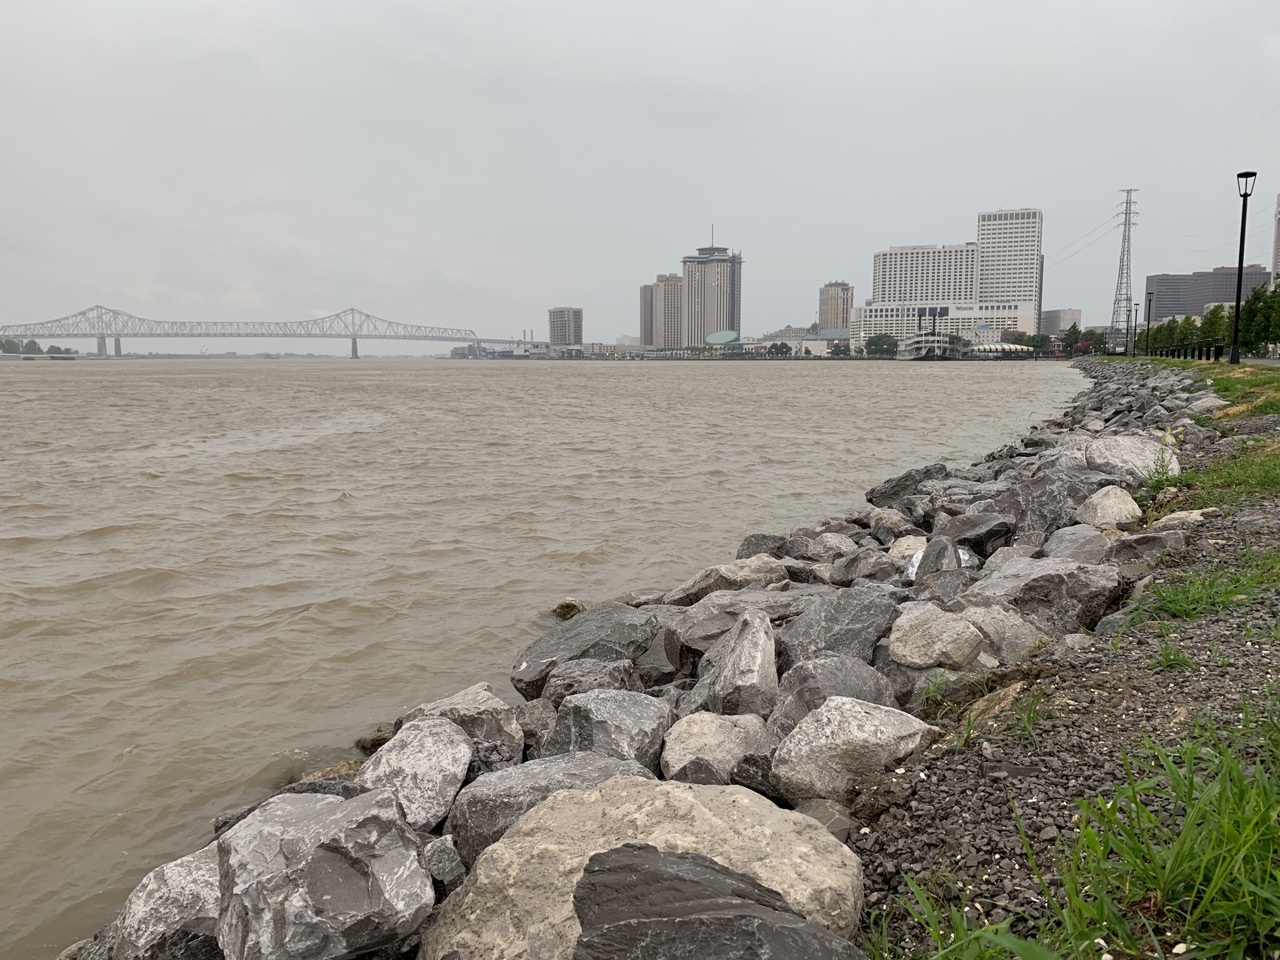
713, 234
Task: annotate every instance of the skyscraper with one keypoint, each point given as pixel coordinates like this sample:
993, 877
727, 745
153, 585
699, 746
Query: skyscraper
566, 326
712, 294
1010, 265
835, 305
1275, 248
662, 311
925, 274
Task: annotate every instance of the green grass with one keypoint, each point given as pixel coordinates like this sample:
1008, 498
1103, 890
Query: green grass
1185, 852
1249, 388
1252, 473
1169, 656
1194, 594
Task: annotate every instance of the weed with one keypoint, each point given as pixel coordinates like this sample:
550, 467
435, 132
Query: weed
1197, 594
1219, 658
1026, 714
1169, 656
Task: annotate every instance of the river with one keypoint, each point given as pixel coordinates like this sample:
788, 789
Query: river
217, 574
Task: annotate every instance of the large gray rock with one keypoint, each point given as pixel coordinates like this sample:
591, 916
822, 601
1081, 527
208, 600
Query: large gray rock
611, 631
941, 553
178, 897
760, 543
745, 680
424, 764
1050, 499
689, 636
440, 859
810, 683
613, 723
1061, 595
638, 902
580, 676
758, 571
828, 546
1080, 542
517, 902
983, 533
849, 623
717, 742
479, 712
486, 808
1135, 458
925, 636
842, 744
893, 491
1109, 507
537, 720
866, 564
1006, 634
1005, 554
1142, 547
315, 877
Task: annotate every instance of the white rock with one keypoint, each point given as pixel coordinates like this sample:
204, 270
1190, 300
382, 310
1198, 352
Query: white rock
1134, 457
844, 743
924, 636
746, 676
179, 896
517, 902
761, 570
1184, 519
906, 547
719, 740
424, 764
1109, 507
479, 712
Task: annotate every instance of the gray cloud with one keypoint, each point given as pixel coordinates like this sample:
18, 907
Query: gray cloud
473, 163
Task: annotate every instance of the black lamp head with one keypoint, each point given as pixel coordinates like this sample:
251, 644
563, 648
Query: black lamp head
1245, 180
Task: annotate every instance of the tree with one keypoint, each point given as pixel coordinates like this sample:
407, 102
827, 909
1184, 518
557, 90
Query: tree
779, 348
808, 352
841, 349
1094, 340
1072, 335
10, 346
881, 345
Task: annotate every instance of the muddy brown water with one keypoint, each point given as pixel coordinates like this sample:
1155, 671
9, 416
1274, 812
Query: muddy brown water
215, 574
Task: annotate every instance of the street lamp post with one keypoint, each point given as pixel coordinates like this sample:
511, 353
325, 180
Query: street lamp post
1147, 346
1133, 338
1244, 182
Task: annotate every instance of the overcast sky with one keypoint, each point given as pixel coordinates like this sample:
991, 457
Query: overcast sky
472, 162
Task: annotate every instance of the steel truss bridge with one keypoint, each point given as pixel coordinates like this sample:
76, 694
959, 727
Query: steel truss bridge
102, 322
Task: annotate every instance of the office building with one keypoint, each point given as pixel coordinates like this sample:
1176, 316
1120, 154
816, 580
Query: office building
711, 298
1188, 294
662, 312
1275, 247
1010, 265
835, 305
566, 326
1055, 322
925, 274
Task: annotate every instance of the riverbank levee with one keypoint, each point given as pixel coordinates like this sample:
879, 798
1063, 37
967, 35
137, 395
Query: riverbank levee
772, 705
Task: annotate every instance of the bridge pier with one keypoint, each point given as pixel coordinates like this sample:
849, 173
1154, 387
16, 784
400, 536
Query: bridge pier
102, 345
118, 353
355, 351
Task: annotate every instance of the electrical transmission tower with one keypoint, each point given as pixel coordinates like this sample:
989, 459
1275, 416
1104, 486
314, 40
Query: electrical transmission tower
1121, 310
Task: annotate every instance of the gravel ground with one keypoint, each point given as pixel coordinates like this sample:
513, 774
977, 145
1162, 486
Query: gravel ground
949, 813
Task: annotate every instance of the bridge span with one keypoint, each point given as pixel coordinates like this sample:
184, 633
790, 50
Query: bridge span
102, 322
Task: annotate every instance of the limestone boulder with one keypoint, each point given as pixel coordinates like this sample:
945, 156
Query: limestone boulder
1061, 595
621, 724
424, 765
808, 685
1134, 458
1111, 506
1080, 542
537, 719
828, 546
983, 533
440, 859
691, 635
517, 901
842, 744
756, 543
715, 742
1007, 635
849, 623
745, 678
926, 636
904, 548
893, 491
758, 571
1144, 547
940, 553
581, 676
638, 901
176, 898
610, 631
1005, 554
866, 564
1049, 499
485, 809
316, 877
1184, 519
479, 712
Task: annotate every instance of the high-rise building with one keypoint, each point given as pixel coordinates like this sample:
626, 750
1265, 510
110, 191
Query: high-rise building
835, 305
566, 326
712, 294
1187, 294
1054, 322
1275, 248
662, 312
925, 274
1010, 265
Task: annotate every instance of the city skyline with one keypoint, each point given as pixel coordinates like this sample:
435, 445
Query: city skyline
431, 180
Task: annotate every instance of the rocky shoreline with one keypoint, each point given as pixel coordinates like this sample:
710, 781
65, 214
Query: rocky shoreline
607, 816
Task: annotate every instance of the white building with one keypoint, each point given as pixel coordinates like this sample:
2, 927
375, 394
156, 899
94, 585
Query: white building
712, 295
925, 274
1054, 322
902, 321
565, 326
835, 305
662, 312
1010, 265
